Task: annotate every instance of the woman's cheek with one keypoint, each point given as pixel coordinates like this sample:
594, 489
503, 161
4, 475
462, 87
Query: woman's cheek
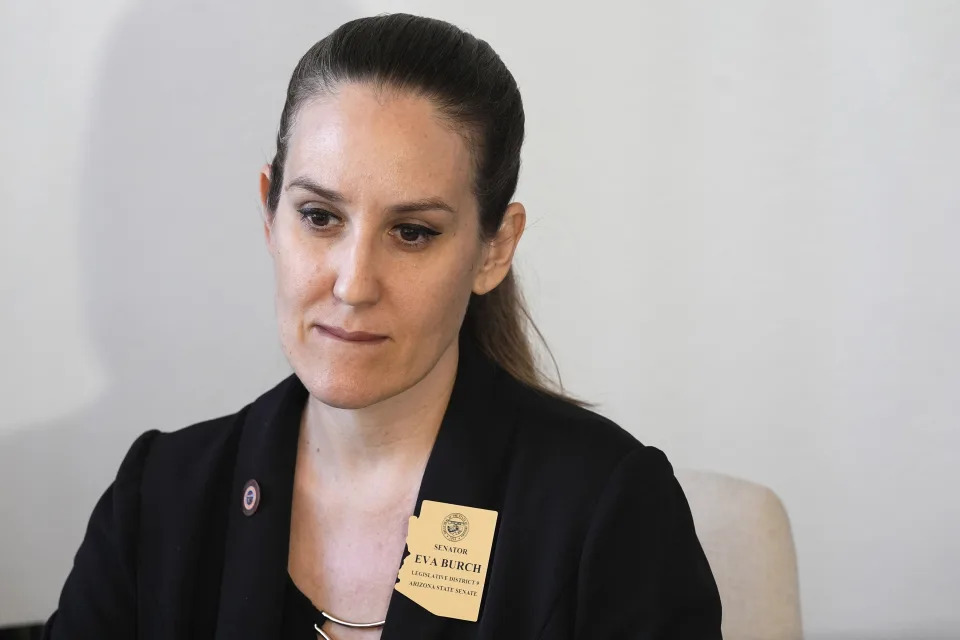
304, 277
451, 298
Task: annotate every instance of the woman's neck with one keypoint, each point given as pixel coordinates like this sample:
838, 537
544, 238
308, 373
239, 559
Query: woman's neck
388, 440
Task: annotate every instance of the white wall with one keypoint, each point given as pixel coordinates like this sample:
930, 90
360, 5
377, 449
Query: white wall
744, 219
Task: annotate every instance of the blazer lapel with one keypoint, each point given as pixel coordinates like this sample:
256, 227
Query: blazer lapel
257, 546
467, 466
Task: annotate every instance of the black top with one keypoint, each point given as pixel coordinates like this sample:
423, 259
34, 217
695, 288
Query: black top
594, 537
299, 614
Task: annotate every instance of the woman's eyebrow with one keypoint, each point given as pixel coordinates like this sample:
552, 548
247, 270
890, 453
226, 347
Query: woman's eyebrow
423, 204
308, 184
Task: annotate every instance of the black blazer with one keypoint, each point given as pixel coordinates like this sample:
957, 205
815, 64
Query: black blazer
594, 536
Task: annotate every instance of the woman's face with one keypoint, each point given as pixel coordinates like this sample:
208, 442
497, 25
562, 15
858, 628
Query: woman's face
376, 232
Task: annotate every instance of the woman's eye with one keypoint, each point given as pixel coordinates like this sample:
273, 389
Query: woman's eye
415, 235
317, 218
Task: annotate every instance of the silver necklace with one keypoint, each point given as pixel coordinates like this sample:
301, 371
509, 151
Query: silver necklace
355, 625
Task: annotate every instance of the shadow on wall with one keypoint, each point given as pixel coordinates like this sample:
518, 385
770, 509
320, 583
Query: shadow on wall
177, 283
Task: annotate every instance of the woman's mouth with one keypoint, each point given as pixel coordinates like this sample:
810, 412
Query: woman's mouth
349, 336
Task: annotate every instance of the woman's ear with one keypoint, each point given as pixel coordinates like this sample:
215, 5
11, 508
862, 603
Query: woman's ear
498, 253
264, 207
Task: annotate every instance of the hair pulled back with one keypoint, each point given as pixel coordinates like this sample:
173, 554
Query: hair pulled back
470, 86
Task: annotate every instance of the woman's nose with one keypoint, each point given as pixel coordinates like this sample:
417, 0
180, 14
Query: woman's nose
357, 282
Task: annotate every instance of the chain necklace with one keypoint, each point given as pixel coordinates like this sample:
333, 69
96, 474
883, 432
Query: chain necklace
354, 625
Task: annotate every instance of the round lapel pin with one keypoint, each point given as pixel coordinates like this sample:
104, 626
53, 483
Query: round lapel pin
251, 497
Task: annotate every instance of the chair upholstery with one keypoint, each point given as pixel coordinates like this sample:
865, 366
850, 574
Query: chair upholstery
746, 536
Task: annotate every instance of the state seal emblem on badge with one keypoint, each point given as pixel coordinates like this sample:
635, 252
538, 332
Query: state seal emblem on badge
455, 527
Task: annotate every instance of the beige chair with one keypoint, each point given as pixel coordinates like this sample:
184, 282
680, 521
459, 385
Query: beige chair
745, 533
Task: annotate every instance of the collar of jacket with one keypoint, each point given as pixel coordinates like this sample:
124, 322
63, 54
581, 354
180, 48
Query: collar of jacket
467, 466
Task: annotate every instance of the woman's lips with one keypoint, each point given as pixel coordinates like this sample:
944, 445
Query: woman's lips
350, 336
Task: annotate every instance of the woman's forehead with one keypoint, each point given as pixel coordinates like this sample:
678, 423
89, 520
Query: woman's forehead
364, 142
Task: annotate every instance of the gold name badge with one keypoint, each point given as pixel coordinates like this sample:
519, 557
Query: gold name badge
449, 548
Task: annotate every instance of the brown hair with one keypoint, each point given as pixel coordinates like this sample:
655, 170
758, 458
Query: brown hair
470, 85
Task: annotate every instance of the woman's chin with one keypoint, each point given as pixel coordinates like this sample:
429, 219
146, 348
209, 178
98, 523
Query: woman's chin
343, 395
345, 400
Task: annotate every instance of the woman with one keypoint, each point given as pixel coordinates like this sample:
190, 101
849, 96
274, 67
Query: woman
387, 212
